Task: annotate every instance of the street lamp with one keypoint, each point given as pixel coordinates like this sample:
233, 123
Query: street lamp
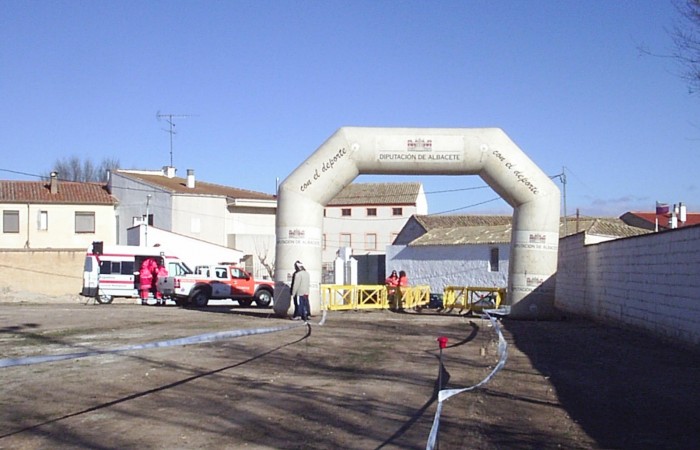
148, 201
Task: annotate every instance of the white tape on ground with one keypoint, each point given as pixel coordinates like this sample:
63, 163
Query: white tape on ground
198, 339
447, 393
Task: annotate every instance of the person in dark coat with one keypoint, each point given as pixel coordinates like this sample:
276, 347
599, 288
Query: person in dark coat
300, 291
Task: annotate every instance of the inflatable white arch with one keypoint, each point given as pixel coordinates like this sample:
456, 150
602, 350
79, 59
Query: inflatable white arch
487, 152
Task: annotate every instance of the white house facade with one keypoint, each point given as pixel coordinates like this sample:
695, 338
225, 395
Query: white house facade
474, 250
368, 216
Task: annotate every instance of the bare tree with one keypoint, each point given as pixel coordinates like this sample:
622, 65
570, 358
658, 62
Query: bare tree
75, 169
107, 165
262, 248
686, 40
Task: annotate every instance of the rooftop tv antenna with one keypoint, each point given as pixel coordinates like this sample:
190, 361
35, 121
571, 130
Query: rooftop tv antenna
169, 118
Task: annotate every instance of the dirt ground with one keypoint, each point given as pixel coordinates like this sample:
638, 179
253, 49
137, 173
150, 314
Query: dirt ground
363, 380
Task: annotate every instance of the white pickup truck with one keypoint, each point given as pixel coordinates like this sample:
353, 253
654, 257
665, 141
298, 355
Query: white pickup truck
217, 281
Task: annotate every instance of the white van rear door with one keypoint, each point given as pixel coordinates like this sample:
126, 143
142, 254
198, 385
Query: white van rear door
91, 272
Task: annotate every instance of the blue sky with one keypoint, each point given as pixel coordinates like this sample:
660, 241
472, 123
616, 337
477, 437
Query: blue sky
265, 83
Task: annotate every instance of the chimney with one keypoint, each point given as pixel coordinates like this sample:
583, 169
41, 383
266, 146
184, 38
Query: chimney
683, 214
53, 184
190, 178
169, 171
673, 223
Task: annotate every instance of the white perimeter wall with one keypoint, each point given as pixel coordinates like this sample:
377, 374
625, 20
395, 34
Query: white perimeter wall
454, 265
192, 251
650, 282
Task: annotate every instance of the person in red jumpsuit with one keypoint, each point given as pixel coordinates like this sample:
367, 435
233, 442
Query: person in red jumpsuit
161, 272
146, 278
403, 282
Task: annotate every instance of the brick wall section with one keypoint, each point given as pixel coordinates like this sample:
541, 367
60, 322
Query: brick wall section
49, 272
650, 282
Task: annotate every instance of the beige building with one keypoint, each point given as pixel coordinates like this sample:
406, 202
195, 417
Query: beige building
367, 217
55, 214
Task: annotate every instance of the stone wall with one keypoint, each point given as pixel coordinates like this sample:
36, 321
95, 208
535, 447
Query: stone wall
650, 282
54, 272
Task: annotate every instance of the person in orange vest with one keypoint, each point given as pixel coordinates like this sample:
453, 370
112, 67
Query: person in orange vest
403, 282
391, 282
161, 272
146, 278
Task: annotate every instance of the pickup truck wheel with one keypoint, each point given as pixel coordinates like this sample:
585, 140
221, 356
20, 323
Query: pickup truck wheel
199, 298
245, 302
263, 298
104, 299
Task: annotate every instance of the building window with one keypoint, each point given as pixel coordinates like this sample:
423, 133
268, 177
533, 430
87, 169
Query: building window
370, 241
176, 269
142, 220
345, 240
493, 262
346, 212
328, 273
397, 211
10, 221
116, 267
84, 222
371, 211
43, 223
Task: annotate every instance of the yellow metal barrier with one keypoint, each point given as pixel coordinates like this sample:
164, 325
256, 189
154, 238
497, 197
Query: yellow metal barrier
338, 297
415, 296
472, 298
371, 297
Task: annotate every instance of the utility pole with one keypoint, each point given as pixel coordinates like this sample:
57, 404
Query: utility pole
562, 178
169, 118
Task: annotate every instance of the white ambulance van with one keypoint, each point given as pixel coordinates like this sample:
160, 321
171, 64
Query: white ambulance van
113, 270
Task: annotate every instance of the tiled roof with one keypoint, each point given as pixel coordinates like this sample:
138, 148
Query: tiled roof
481, 229
69, 192
639, 218
377, 194
461, 220
178, 185
601, 226
479, 234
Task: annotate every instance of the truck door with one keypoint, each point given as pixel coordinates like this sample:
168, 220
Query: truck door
242, 283
220, 289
